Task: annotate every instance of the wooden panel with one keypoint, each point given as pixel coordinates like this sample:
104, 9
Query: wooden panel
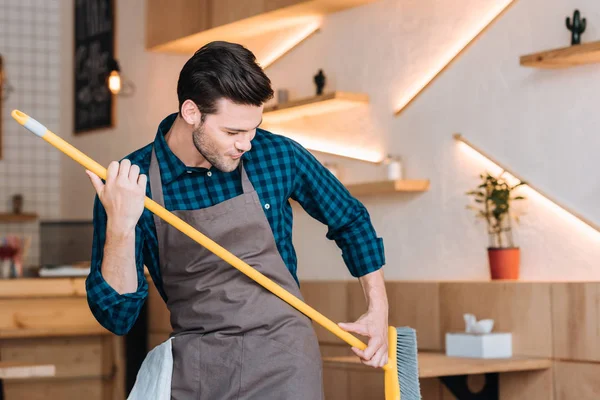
522, 308
416, 304
366, 383
272, 5
576, 321
158, 313
526, 385
575, 380
31, 317
342, 382
73, 357
154, 339
114, 358
585, 53
166, 21
42, 287
431, 389
530, 385
223, 12
335, 380
87, 389
330, 298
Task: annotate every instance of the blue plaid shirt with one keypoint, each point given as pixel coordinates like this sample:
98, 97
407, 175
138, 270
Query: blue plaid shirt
280, 169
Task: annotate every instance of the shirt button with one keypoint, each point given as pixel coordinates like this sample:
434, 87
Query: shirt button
189, 172
209, 173
267, 206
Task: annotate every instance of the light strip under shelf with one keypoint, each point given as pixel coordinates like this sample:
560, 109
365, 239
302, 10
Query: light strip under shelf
558, 206
412, 93
336, 149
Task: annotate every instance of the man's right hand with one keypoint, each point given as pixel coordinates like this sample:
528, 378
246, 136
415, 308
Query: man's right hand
123, 194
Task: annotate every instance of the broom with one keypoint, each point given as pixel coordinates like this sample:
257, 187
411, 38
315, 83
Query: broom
401, 375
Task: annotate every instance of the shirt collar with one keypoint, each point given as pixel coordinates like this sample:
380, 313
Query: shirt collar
171, 167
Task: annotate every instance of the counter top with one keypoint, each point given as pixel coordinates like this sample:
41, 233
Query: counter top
42, 287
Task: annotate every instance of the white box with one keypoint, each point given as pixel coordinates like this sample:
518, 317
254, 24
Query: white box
479, 345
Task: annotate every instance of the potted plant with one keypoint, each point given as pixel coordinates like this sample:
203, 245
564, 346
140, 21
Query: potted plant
493, 203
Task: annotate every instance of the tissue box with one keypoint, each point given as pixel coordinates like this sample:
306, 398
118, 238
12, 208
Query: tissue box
474, 345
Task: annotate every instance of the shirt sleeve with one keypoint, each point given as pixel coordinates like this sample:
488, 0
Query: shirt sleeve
116, 312
327, 200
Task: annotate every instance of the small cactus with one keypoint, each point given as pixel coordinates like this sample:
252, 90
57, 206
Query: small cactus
576, 28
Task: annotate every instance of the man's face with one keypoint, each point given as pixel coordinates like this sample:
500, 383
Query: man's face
224, 136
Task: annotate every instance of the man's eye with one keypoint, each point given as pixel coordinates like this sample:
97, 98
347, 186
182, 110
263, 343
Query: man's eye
232, 133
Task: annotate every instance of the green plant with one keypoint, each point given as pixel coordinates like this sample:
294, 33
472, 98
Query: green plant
493, 198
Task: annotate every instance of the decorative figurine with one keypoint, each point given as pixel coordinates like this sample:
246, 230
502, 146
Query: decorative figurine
320, 82
282, 96
17, 204
576, 28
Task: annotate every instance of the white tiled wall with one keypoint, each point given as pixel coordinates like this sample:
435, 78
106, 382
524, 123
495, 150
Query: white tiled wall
29, 44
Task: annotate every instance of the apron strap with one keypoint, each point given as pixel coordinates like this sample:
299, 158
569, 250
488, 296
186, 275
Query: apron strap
156, 185
246, 184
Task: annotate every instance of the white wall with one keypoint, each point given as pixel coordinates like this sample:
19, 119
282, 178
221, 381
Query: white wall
29, 40
540, 123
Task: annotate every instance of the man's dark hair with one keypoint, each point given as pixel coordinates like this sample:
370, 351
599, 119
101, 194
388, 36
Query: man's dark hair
223, 69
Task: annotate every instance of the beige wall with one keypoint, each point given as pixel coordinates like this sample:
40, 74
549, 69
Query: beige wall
540, 123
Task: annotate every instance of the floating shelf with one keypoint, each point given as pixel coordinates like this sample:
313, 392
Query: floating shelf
581, 54
17, 218
385, 187
310, 106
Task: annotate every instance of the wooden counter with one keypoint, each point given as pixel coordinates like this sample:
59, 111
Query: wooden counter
435, 365
47, 321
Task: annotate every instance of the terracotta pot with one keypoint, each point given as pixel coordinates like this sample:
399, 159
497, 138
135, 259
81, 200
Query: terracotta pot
504, 262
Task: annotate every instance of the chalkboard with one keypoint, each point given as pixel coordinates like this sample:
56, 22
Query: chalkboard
94, 48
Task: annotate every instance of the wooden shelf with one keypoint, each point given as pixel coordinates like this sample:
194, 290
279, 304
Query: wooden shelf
585, 53
17, 218
310, 106
385, 187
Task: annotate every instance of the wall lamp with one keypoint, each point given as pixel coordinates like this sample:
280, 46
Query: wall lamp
117, 84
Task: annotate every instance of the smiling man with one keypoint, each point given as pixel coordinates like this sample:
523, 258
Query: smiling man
213, 167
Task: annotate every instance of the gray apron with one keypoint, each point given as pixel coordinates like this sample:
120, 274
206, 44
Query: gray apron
233, 339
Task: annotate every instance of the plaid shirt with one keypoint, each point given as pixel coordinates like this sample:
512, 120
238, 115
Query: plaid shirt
280, 169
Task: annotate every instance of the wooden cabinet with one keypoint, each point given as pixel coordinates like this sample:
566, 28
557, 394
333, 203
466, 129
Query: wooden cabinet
171, 20
183, 26
48, 321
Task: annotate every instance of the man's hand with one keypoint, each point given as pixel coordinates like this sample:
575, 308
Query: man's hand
374, 325
123, 195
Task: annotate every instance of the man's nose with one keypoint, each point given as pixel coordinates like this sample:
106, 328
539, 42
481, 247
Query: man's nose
243, 145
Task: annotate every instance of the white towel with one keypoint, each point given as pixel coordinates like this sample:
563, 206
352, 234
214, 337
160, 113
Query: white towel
153, 381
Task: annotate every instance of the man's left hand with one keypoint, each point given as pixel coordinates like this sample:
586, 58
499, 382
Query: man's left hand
374, 325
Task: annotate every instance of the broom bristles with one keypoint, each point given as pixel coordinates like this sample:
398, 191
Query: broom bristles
407, 363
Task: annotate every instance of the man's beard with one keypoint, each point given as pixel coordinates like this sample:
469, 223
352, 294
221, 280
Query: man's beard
210, 153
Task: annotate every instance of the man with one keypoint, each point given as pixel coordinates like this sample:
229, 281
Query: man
213, 167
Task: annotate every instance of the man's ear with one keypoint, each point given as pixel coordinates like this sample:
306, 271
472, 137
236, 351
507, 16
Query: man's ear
191, 113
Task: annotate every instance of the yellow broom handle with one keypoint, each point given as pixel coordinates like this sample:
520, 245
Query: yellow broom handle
41, 131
